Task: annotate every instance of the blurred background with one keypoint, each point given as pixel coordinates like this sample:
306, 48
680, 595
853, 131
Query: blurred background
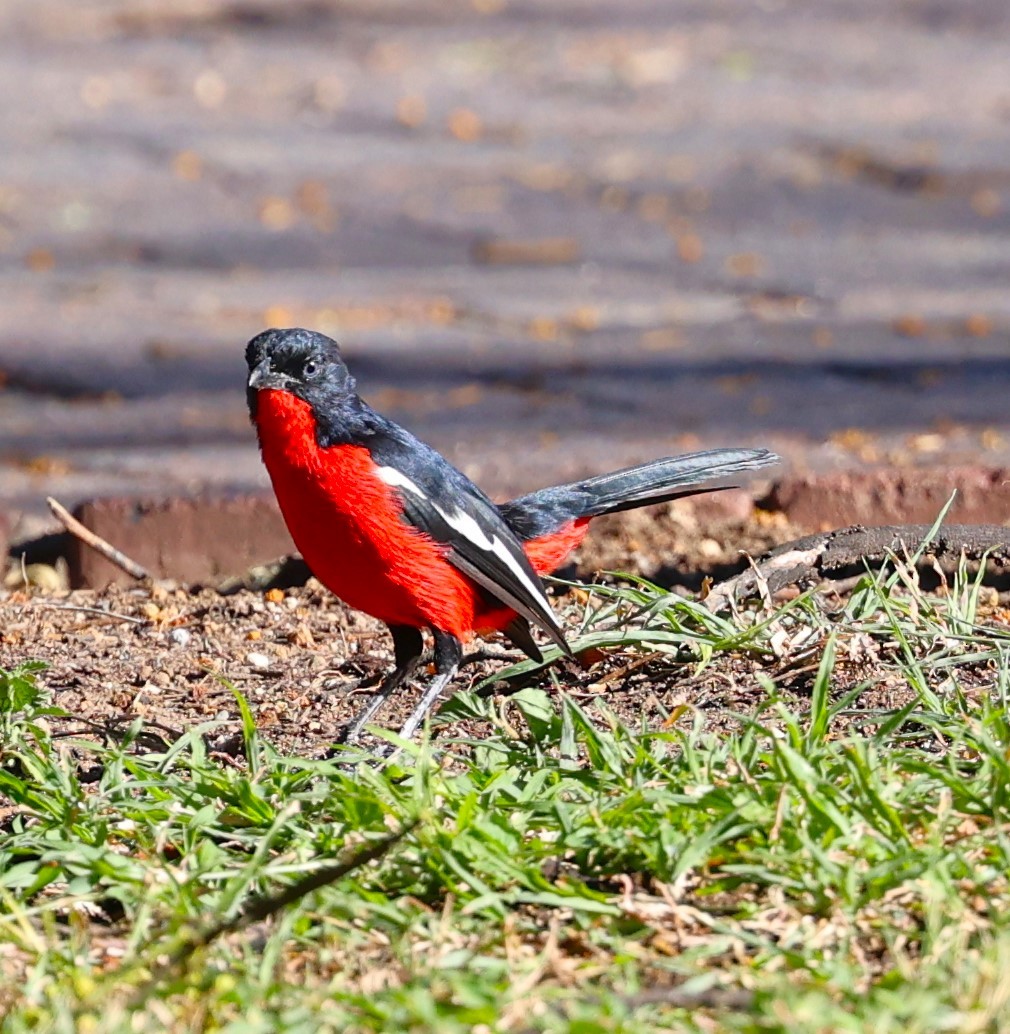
552, 235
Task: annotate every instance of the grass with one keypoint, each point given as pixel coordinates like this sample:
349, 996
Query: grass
814, 865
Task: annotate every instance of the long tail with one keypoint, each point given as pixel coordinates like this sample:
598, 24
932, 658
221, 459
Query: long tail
552, 522
547, 511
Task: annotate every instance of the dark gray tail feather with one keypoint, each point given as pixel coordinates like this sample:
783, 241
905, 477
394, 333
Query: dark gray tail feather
658, 481
670, 478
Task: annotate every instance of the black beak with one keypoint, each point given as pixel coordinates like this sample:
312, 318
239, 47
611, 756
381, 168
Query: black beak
264, 376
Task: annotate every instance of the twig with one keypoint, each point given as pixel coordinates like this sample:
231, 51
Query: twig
96, 542
491, 652
108, 727
91, 610
845, 553
730, 999
627, 669
262, 908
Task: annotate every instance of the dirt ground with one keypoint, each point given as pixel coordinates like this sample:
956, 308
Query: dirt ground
162, 653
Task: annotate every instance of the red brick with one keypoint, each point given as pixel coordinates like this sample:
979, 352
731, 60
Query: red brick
192, 540
893, 495
731, 504
4, 535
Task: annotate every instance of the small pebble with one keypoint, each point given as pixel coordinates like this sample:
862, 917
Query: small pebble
180, 636
258, 660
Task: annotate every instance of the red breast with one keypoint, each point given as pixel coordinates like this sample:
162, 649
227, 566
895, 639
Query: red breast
346, 522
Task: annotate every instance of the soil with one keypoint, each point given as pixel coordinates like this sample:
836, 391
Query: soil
167, 654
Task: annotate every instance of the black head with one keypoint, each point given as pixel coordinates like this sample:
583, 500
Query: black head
303, 362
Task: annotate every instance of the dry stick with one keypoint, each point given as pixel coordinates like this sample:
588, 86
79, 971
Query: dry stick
730, 999
262, 908
92, 610
96, 542
844, 552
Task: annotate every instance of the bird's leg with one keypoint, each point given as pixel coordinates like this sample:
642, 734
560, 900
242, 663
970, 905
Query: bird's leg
448, 654
408, 646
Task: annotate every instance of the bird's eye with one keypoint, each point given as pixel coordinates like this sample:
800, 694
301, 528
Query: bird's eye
310, 369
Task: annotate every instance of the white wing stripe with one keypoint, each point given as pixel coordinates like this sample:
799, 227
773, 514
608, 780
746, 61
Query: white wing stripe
465, 525
398, 479
470, 529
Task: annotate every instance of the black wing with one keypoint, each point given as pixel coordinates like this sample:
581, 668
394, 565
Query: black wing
442, 502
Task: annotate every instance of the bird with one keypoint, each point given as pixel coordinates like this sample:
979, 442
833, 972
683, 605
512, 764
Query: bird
393, 529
